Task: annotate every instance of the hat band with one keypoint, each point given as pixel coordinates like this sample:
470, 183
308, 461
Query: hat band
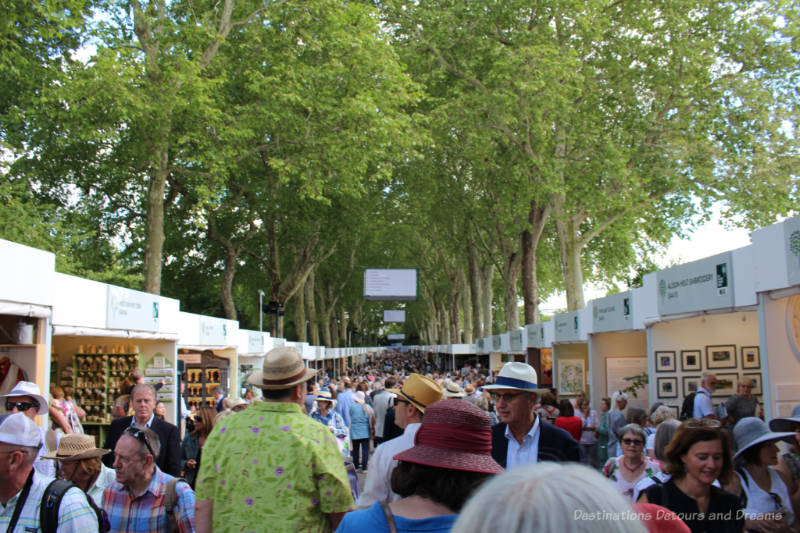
458, 437
284, 381
513, 382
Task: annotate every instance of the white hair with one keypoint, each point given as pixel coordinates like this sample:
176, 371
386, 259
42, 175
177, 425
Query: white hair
618, 395
565, 497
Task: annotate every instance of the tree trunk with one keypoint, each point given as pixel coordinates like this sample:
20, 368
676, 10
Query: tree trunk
229, 308
487, 296
466, 308
343, 340
512, 266
530, 244
154, 224
475, 285
312, 308
300, 313
570, 251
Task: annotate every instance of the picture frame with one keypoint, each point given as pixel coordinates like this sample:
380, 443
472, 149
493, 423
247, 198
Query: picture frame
571, 376
690, 384
751, 357
756, 377
668, 387
727, 384
720, 356
691, 361
677, 410
665, 361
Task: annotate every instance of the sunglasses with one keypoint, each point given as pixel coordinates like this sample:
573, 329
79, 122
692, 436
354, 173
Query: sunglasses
141, 436
507, 397
632, 442
21, 406
702, 423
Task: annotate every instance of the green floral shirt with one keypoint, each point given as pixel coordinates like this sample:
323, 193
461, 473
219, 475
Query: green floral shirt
272, 468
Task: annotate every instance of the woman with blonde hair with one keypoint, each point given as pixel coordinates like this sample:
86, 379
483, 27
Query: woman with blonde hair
198, 426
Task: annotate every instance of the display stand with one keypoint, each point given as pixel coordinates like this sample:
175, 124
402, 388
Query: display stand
204, 372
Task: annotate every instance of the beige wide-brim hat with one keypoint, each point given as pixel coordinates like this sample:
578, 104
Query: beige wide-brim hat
420, 391
76, 447
283, 369
452, 390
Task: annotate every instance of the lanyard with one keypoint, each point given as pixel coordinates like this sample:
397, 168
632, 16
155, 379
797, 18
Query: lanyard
20, 503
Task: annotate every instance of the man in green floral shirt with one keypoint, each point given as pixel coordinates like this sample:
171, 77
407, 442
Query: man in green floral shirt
271, 467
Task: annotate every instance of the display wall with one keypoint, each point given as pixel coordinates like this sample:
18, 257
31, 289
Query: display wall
780, 324
571, 368
627, 351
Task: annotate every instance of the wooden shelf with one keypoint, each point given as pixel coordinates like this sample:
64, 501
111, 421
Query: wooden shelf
20, 345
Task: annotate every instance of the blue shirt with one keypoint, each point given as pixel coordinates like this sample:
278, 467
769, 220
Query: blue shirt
526, 453
343, 403
373, 520
359, 421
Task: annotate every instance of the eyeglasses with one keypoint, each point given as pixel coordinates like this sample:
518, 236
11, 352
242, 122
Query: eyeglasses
21, 406
507, 397
141, 436
632, 442
702, 423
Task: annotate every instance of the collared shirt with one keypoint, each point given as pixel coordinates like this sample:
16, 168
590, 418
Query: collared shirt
145, 513
74, 513
46, 467
106, 477
702, 403
343, 403
134, 424
526, 453
272, 467
378, 485
335, 422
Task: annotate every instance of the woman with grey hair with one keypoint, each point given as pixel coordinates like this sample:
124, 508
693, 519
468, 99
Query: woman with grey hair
548, 497
659, 415
633, 465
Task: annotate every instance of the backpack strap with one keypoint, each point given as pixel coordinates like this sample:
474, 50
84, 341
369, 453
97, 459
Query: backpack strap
170, 501
51, 501
387, 513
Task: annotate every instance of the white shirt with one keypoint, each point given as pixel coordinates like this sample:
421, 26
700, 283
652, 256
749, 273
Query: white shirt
106, 477
526, 453
381, 402
378, 485
46, 467
702, 403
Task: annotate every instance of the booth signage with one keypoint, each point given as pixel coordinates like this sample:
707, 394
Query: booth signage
396, 336
255, 342
497, 342
515, 339
567, 327
696, 286
613, 313
480, 346
213, 332
791, 228
535, 335
128, 309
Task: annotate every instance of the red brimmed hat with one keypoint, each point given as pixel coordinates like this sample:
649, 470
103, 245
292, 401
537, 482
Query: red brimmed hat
455, 435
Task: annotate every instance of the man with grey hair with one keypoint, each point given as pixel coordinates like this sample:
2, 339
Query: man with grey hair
742, 403
219, 397
22, 488
143, 398
703, 406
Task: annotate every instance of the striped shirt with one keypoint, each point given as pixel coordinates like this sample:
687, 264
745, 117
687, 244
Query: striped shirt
74, 513
146, 513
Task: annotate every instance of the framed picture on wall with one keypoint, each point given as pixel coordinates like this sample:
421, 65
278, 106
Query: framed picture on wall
668, 387
677, 409
751, 357
690, 384
726, 384
571, 376
721, 356
665, 361
691, 361
756, 377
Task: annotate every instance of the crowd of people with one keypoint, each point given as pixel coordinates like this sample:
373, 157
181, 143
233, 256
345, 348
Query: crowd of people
397, 444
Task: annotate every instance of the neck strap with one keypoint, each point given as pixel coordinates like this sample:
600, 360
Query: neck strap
20, 503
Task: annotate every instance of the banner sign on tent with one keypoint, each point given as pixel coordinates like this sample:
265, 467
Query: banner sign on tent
255, 342
791, 228
613, 313
535, 335
567, 327
213, 331
128, 309
696, 286
516, 339
390, 283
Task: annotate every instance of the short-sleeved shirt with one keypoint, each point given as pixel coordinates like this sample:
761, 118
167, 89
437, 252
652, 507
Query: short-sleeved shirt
738, 407
74, 513
702, 403
147, 513
271, 467
373, 520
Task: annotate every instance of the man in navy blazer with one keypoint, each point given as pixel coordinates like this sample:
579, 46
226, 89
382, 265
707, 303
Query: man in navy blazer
521, 437
143, 398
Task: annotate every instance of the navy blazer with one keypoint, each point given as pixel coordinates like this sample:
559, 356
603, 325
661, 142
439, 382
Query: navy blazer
169, 457
555, 444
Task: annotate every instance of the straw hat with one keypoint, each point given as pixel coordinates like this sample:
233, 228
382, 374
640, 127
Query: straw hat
786, 424
452, 390
326, 396
76, 447
514, 375
27, 388
419, 391
283, 369
455, 435
751, 431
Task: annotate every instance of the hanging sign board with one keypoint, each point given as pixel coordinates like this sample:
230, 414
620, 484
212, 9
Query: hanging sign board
613, 313
535, 335
213, 331
255, 342
567, 327
391, 283
394, 316
128, 309
697, 286
516, 339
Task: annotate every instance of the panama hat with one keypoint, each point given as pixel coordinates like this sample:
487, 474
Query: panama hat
26, 388
283, 369
76, 447
419, 391
326, 396
786, 424
452, 390
19, 430
751, 431
455, 435
514, 375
